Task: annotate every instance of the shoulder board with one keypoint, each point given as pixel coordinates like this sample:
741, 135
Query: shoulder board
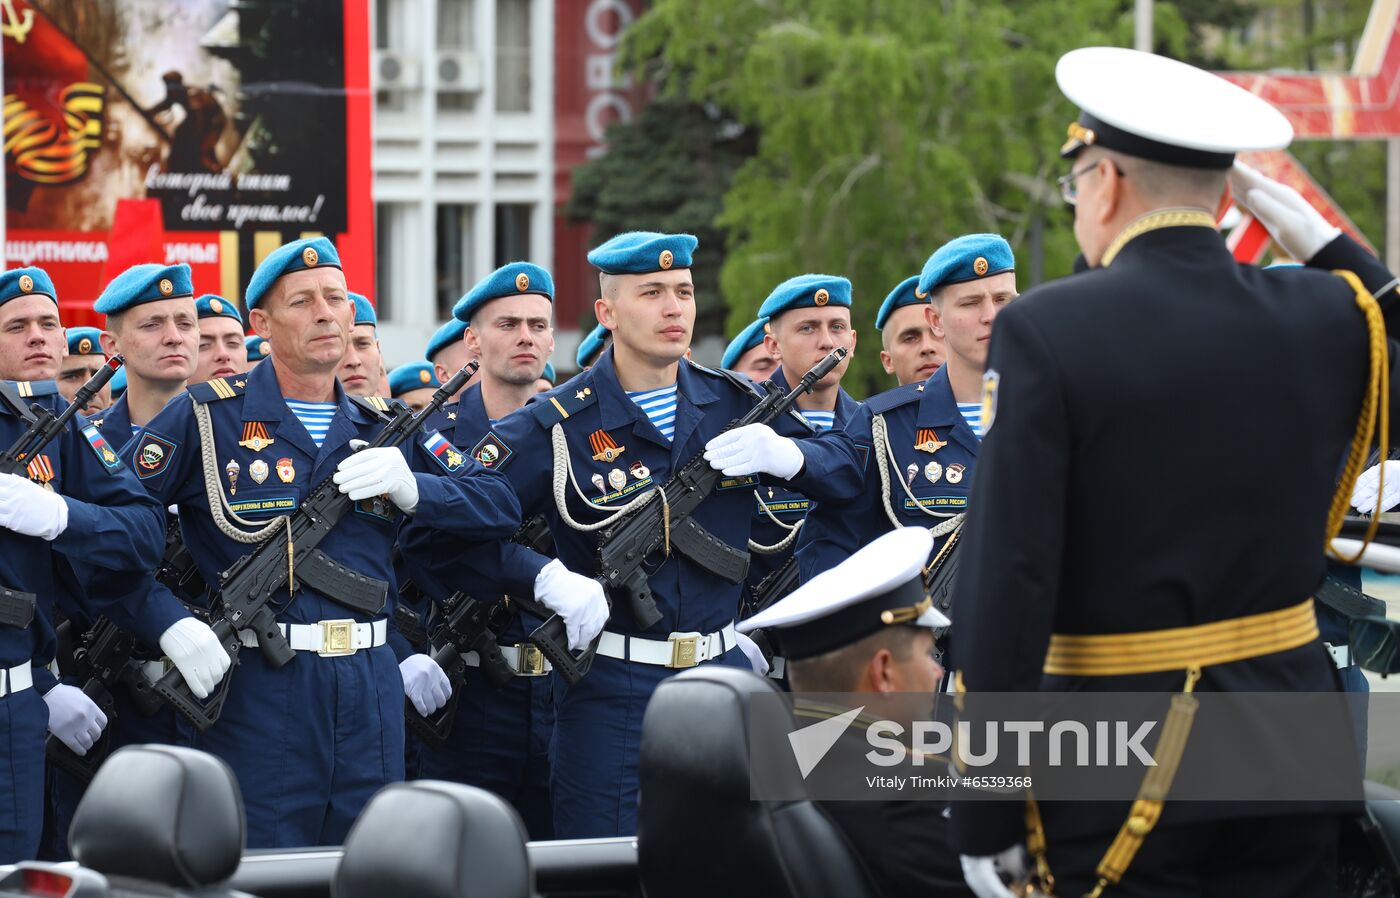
214, 390
378, 406
563, 402
28, 389
892, 399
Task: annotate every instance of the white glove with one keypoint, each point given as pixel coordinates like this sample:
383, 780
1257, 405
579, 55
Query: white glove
754, 654
1296, 226
194, 649
754, 449
424, 683
28, 508
579, 600
74, 718
377, 472
986, 875
1363, 497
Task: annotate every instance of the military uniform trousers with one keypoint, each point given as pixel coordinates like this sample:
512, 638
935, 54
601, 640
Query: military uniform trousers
24, 723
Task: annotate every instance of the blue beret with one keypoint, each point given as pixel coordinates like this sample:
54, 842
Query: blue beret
906, 294
19, 282
118, 382
212, 306
966, 258
642, 252
364, 312
806, 291
258, 348
445, 336
144, 283
84, 341
413, 376
592, 346
309, 252
748, 338
548, 373
513, 279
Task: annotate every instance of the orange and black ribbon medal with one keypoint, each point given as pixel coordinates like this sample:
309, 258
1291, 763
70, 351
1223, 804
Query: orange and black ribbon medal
604, 447
926, 440
255, 436
41, 472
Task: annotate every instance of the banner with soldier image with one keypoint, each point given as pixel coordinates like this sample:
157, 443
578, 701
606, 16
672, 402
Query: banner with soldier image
204, 132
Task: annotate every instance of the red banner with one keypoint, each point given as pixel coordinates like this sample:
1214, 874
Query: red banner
209, 137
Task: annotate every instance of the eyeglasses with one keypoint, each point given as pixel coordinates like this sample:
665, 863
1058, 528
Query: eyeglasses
1069, 189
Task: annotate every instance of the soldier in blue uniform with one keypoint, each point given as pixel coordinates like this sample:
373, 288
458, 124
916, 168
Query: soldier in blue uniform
82, 362
80, 501
311, 741
622, 428
413, 384
924, 436
448, 351
500, 737
258, 349
807, 317
221, 349
361, 369
748, 353
908, 347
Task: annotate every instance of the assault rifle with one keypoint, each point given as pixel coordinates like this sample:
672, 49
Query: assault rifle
244, 604
177, 568
104, 660
665, 524
44, 425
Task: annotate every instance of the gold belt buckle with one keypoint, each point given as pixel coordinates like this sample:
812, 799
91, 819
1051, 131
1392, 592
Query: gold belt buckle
685, 650
337, 638
529, 660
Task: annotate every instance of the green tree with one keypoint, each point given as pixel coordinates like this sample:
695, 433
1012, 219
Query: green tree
667, 170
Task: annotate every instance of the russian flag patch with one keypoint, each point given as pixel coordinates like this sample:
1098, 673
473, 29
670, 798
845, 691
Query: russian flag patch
445, 453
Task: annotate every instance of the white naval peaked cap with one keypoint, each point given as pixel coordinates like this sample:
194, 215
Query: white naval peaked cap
879, 585
1162, 109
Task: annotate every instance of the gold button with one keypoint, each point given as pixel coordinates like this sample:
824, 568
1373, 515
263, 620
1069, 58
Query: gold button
1138, 825
85, 346
980, 266
309, 257
26, 283
423, 374
166, 288
264, 348
667, 260
822, 297
216, 307
522, 282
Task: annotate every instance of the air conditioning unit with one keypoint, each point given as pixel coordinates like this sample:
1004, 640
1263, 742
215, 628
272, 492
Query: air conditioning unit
458, 71
396, 71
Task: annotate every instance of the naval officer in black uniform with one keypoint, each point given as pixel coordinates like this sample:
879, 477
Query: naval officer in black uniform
1166, 430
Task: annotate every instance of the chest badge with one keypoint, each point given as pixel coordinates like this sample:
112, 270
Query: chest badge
601, 484
605, 448
255, 436
616, 479
41, 472
232, 469
910, 473
258, 470
927, 440
286, 471
640, 471
933, 471
955, 473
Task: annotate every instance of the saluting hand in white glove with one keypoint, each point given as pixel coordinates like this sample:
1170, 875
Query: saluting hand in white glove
1291, 221
1363, 496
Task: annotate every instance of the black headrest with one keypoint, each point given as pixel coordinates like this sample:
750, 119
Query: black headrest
161, 814
695, 807
435, 840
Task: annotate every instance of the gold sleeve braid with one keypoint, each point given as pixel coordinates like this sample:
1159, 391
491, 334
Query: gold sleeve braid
1374, 422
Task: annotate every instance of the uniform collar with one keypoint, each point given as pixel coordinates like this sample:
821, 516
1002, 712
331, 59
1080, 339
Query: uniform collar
617, 410
116, 423
1173, 227
472, 420
263, 401
846, 405
939, 410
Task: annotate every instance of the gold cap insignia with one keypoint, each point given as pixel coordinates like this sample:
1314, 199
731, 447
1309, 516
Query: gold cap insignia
979, 266
822, 297
423, 374
85, 346
918, 295
667, 260
216, 307
309, 257
264, 348
522, 282
1078, 134
166, 288
26, 283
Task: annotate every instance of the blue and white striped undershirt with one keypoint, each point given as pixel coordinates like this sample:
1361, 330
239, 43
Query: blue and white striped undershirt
972, 414
820, 420
660, 408
315, 417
